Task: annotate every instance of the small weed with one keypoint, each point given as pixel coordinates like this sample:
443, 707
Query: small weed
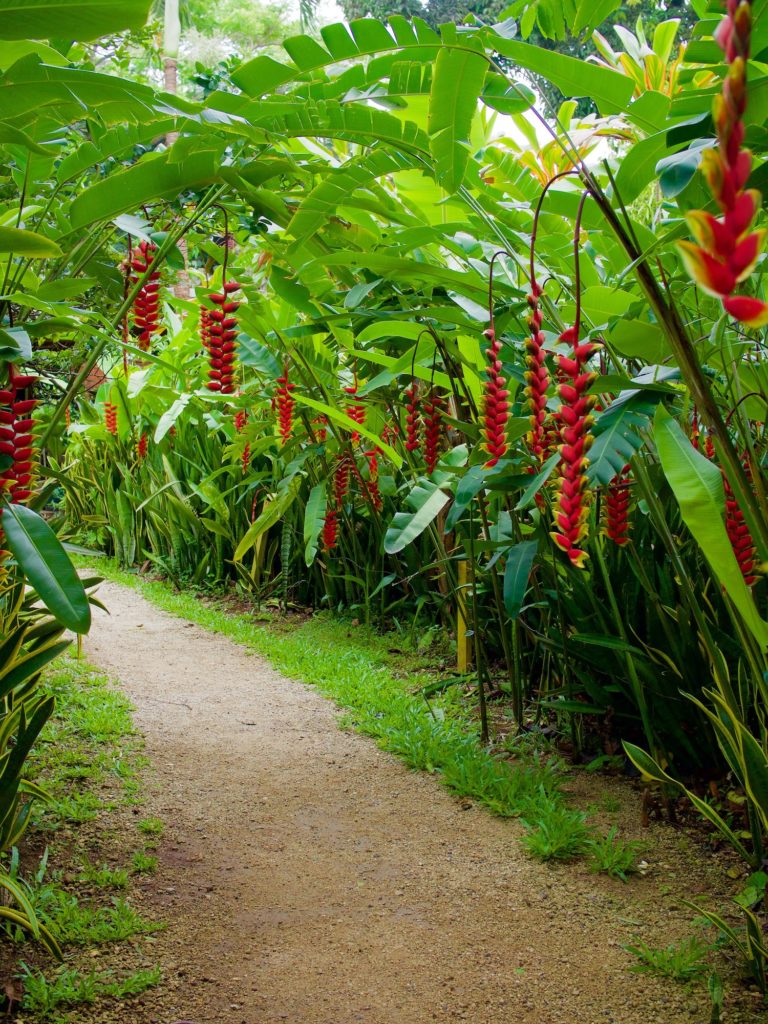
70, 987
104, 876
151, 826
144, 863
614, 856
681, 961
79, 923
555, 833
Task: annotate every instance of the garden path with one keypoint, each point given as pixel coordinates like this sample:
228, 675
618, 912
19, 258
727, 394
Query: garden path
308, 877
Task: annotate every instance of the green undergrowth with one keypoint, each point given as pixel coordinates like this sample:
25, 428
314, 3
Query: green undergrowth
360, 672
76, 867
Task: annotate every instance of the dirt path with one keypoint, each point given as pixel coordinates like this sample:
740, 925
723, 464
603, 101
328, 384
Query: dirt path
308, 877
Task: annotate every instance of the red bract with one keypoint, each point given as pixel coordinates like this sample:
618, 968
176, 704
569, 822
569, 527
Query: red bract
355, 411
373, 478
434, 406
321, 422
726, 249
141, 447
241, 419
284, 402
331, 529
16, 435
617, 501
341, 478
245, 458
221, 329
146, 305
537, 377
495, 403
412, 418
573, 498
110, 418
739, 536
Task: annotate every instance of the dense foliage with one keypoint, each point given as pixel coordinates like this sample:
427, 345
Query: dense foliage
363, 324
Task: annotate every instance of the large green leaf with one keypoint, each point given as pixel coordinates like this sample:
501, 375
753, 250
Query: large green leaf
70, 19
314, 517
271, 514
456, 85
516, 575
698, 486
46, 565
27, 243
427, 500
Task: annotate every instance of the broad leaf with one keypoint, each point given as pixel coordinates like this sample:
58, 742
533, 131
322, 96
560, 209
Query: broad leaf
517, 574
427, 500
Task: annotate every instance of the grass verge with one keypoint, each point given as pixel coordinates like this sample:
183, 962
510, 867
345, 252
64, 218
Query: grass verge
88, 759
354, 667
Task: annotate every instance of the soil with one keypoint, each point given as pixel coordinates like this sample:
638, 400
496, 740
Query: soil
307, 876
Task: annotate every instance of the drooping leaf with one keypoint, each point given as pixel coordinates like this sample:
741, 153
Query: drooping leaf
517, 573
46, 565
70, 19
426, 501
314, 517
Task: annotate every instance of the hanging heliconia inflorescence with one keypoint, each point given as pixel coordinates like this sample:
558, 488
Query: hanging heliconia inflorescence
355, 411
726, 249
574, 496
146, 305
16, 435
284, 402
320, 423
331, 529
374, 493
240, 420
205, 327
738, 533
434, 406
412, 417
617, 504
110, 418
245, 458
495, 403
221, 343
537, 375
141, 447
341, 474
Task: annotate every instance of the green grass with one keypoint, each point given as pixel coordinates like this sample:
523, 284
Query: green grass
353, 666
681, 961
151, 826
69, 987
144, 863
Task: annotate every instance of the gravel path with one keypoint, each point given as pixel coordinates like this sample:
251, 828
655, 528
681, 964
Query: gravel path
308, 877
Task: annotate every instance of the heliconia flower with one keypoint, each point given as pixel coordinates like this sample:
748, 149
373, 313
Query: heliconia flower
141, 447
372, 485
331, 529
284, 403
390, 432
695, 430
205, 327
495, 403
739, 536
341, 478
573, 497
355, 411
321, 422
16, 435
221, 335
726, 249
537, 377
240, 420
434, 407
110, 418
245, 458
146, 305
412, 418
617, 502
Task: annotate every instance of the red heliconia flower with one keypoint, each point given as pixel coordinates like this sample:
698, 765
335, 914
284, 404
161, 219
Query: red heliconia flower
372, 486
390, 432
434, 407
341, 478
695, 430
245, 458
726, 249
617, 502
739, 536
537, 377
412, 418
146, 305
16, 435
241, 420
331, 529
205, 327
221, 335
284, 402
573, 498
321, 422
110, 418
141, 447
495, 403
355, 411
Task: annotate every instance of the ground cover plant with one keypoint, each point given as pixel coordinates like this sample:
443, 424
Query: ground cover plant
425, 323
